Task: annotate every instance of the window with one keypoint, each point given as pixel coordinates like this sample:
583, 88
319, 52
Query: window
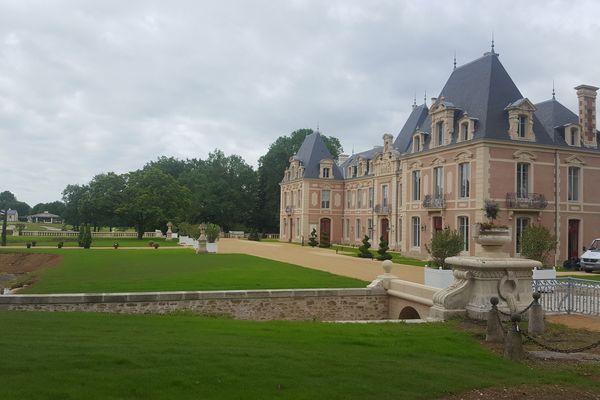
463, 229
464, 132
574, 137
521, 128
353, 169
416, 183
286, 201
358, 235
399, 194
522, 180
325, 172
417, 143
293, 198
384, 195
464, 176
416, 231
370, 225
347, 228
348, 198
522, 223
371, 197
573, 183
299, 198
438, 182
359, 195
440, 133
325, 196
297, 227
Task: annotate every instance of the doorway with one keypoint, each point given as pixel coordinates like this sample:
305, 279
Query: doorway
573, 239
385, 229
325, 228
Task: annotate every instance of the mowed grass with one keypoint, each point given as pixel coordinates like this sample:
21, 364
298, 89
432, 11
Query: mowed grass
396, 257
96, 242
103, 356
97, 271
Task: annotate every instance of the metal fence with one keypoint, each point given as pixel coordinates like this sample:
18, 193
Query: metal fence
569, 295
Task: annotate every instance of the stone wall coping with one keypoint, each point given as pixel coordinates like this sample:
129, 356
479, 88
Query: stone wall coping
75, 298
486, 263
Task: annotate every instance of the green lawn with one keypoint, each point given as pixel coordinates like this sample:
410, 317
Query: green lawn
93, 271
104, 356
96, 242
589, 277
396, 257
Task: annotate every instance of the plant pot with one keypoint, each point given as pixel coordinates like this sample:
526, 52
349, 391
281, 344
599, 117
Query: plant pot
212, 247
28, 245
439, 278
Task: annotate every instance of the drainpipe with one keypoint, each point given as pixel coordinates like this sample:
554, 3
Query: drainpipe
556, 207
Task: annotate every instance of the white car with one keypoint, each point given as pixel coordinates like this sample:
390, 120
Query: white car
590, 260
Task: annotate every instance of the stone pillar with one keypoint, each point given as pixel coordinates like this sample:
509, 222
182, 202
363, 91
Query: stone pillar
495, 332
536, 317
169, 231
513, 345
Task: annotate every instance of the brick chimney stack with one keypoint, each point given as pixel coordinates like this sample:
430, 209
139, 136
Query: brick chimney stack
586, 95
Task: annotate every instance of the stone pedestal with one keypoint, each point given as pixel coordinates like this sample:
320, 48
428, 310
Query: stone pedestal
201, 244
478, 279
169, 231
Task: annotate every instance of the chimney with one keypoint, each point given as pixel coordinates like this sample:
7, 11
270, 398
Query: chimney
342, 158
586, 95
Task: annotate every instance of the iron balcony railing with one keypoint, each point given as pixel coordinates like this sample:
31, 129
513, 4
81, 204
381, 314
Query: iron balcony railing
531, 201
432, 201
382, 209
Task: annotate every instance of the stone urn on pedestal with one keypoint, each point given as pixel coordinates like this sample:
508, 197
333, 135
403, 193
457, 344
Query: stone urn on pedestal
490, 273
169, 231
202, 240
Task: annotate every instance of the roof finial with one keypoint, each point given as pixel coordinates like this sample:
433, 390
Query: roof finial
553, 92
493, 52
454, 59
415, 100
317, 126
425, 98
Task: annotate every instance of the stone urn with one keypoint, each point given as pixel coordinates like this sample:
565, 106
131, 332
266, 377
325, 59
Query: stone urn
490, 240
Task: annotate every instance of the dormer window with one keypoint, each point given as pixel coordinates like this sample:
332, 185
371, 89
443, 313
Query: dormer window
440, 134
326, 169
417, 143
520, 120
464, 131
353, 171
522, 127
325, 173
572, 136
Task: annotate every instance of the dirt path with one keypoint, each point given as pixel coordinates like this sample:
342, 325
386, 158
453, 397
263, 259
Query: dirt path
576, 321
321, 259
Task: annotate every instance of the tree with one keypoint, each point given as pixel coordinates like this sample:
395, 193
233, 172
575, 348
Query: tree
445, 243
363, 250
86, 242
324, 240
9, 201
105, 196
76, 199
312, 240
55, 207
537, 243
382, 251
271, 167
152, 199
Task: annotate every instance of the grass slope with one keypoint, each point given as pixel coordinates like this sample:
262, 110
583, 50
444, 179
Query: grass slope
103, 356
87, 271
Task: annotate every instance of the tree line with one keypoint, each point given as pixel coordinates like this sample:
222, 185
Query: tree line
220, 189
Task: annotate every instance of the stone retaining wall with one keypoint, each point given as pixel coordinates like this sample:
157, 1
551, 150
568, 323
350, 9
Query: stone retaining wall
294, 304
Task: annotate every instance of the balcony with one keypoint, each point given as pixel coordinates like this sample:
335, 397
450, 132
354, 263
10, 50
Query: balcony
530, 201
434, 202
382, 209
289, 209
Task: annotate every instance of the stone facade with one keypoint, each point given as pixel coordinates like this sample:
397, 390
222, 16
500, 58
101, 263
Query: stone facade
295, 304
539, 162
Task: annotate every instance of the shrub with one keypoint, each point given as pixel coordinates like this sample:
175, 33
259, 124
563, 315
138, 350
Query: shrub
537, 243
33, 243
364, 248
324, 242
28, 245
254, 236
151, 243
60, 245
312, 240
186, 229
116, 245
212, 232
445, 243
81, 235
156, 245
382, 251
491, 210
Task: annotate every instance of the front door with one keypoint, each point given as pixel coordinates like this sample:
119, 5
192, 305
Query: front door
437, 224
385, 229
573, 239
325, 228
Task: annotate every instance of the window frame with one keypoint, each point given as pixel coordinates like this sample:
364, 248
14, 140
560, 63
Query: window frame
462, 223
415, 232
464, 180
326, 204
416, 185
573, 184
523, 174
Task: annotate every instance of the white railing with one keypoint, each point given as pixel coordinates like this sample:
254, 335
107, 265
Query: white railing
73, 234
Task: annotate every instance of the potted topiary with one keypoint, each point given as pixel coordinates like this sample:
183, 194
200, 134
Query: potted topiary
212, 235
363, 250
116, 245
312, 240
60, 245
33, 243
382, 253
490, 235
156, 245
28, 245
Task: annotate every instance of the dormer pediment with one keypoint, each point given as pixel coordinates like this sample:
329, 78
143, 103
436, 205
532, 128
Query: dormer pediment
574, 160
438, 161
523, 155
523, 104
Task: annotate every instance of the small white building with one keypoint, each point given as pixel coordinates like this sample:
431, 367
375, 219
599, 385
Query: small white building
13, 216
45, 218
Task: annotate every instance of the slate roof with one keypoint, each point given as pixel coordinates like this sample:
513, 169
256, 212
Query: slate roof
353, 159
10, 212
45, 214
554, 116
415, 120
311, 152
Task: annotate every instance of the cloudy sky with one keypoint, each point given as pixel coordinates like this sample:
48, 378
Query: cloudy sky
95, 86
